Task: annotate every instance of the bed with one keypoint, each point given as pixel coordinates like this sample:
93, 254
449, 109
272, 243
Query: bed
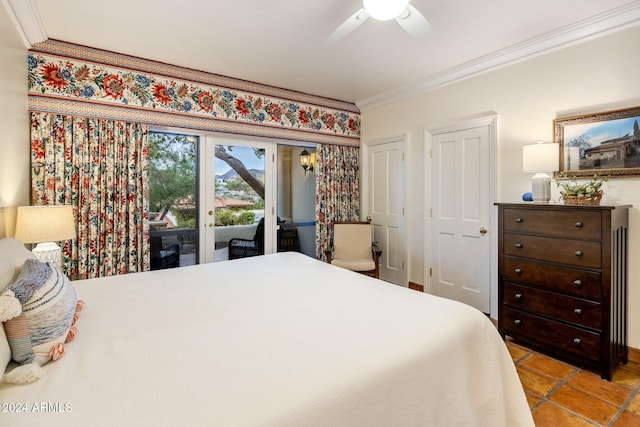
274, 340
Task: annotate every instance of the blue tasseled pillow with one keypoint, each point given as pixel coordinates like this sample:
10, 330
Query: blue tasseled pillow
39, 311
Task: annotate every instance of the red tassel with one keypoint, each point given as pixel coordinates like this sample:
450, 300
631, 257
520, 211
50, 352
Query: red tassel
71, 334
56, 352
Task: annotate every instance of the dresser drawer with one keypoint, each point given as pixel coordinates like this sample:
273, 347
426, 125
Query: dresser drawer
575, 310
580, 342
564, 251
581, 283
572, 224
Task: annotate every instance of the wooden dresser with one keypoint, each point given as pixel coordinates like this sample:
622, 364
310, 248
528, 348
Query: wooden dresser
563, 280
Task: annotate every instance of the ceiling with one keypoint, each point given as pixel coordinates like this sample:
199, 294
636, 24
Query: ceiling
282, 42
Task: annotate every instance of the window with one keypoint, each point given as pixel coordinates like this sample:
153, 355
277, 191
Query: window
173, 199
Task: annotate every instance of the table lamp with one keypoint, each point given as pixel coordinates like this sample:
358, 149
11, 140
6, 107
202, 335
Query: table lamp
45, 225
540, 158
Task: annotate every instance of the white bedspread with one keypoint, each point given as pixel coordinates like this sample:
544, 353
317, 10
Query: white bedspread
277, 340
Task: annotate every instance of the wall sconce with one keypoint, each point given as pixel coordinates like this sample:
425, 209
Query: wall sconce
540, 158
45, 225
307, 160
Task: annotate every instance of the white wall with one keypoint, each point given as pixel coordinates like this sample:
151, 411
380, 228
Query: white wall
304, 202
14, 120
593, 76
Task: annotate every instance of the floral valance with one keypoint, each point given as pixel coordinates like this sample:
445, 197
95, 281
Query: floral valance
87, 81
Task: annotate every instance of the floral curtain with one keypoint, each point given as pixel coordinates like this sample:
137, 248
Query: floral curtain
337, 190
101, 168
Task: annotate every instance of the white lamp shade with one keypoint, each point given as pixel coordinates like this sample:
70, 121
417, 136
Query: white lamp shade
383, 10
541, 157
37, 224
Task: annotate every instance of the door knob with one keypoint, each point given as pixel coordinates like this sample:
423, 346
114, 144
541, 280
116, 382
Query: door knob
483, 230
369, 218
210, 213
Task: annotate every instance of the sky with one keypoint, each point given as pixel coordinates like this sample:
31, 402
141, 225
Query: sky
246, 155
600, 131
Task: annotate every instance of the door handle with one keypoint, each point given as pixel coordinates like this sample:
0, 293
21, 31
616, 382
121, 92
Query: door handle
483, 230
369, 218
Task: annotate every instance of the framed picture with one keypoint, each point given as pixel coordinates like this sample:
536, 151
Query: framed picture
606, 143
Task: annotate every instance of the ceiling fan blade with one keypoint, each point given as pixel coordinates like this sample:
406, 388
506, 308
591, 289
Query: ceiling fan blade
353, 22
415, 24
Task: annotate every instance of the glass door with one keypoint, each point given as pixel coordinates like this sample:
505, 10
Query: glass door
173, 199
239, 213
296, 199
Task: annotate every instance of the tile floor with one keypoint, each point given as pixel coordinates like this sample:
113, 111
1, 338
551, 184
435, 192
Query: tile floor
563, 395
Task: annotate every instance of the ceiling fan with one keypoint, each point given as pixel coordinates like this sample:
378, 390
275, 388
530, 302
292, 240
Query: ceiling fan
406, 15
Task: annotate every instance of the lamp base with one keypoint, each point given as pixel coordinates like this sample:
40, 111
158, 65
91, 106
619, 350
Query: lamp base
541, 188
48, 252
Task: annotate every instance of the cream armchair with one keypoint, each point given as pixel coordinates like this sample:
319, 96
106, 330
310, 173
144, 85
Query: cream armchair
353, 249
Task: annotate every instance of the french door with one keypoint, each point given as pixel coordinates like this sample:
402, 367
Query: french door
238, 210
173, 198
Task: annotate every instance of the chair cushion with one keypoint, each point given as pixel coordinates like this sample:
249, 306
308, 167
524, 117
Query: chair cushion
355, 264
352, 241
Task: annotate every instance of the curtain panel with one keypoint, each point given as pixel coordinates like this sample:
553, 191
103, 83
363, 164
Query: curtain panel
101, 168
337, 191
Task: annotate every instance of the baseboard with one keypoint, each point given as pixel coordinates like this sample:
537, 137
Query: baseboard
416, 287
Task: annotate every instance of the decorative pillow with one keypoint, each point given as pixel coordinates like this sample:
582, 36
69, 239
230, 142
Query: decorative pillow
39, 311
5, 350
12, 255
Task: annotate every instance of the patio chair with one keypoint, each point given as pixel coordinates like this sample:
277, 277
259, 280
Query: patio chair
164, 256
242, 248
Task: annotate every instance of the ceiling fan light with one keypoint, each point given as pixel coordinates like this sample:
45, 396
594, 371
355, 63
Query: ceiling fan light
383, 10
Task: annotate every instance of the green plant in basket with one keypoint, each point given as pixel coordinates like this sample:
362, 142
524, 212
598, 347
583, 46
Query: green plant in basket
571, 188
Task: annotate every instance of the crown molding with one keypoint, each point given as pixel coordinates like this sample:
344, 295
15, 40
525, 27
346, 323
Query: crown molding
614, 20
24, 15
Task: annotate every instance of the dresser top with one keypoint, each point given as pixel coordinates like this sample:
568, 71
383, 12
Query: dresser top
552, 205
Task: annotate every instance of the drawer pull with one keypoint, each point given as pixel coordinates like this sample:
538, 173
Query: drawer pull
519, 220
519, 245
578, 283
579, 253
578, 311
577, 341
517, 322
518, 296
578, 224
518, 270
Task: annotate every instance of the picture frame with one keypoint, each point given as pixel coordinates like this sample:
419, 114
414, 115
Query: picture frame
605, 143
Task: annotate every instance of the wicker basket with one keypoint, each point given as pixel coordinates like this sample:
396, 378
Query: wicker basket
582, 200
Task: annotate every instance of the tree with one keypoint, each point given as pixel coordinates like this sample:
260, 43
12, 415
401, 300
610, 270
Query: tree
172, 173
581, 142
223, 154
